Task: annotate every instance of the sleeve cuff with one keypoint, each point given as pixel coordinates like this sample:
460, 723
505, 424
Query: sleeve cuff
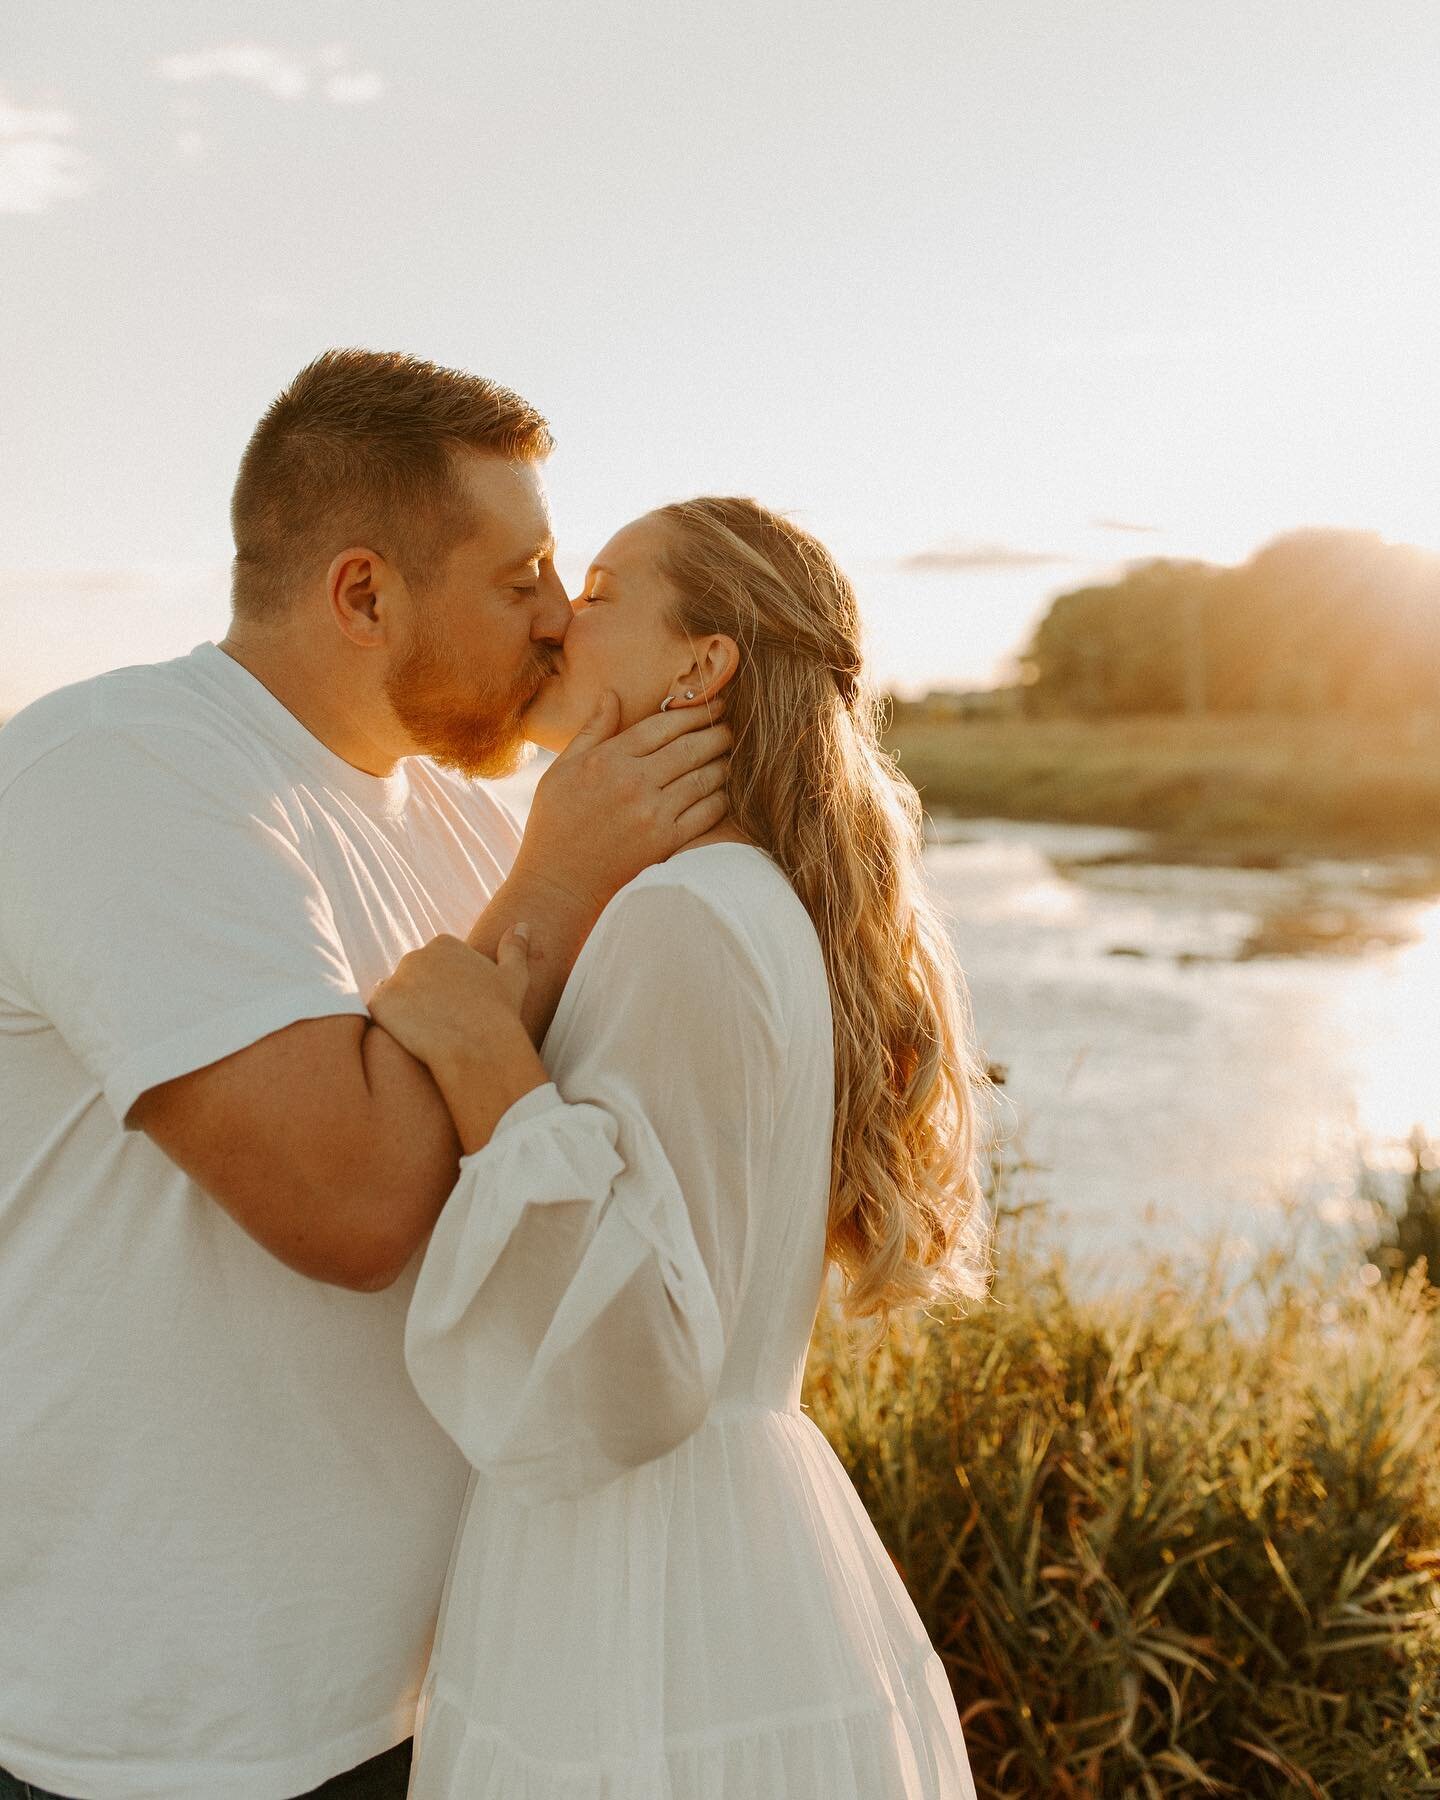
538, 1101
213, 1039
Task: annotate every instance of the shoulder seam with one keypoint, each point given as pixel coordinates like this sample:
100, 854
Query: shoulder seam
94, 728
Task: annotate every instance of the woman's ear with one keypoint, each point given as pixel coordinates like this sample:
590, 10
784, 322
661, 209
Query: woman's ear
716, 660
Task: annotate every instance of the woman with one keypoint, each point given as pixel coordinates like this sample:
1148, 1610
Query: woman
664, 1584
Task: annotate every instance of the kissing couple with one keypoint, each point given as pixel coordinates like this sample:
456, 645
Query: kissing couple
411, 1230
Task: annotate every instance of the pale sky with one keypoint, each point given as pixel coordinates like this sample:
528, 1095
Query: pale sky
1024, 288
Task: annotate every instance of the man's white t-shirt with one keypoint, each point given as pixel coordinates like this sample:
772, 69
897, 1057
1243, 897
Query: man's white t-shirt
225, 1516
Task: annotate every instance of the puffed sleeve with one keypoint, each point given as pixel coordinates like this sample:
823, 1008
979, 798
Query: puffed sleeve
575, 1302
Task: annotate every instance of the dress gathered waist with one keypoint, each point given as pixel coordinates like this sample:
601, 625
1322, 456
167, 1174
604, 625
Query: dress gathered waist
740, 1405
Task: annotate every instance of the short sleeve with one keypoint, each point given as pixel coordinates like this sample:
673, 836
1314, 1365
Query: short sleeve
575, 1305
158, 911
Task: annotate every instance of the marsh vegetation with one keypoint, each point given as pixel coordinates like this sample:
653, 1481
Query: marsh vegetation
1181, 1538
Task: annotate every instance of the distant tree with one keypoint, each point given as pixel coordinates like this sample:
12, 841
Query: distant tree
1317, 621
1125, 647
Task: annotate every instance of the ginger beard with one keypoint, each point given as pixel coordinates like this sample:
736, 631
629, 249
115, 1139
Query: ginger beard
472, 728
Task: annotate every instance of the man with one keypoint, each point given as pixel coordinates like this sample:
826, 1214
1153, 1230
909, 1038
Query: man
225, 1518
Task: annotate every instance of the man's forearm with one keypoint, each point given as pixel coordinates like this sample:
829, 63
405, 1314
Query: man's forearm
559, 922
325, 1141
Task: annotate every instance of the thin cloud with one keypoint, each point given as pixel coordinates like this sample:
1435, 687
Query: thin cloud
1127, 526
354, 89
38, 163
983, 556
258, 65
281, 74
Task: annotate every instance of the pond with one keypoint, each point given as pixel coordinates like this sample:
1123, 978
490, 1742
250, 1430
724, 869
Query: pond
1194, 1053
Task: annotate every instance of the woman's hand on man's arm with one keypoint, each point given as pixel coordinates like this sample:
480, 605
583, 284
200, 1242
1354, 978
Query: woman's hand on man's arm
459, 1013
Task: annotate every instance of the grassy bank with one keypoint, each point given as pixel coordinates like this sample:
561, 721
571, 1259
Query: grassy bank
1162, 1555
1243, 788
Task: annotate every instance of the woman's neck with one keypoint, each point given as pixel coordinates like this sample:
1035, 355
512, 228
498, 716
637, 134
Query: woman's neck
725, 833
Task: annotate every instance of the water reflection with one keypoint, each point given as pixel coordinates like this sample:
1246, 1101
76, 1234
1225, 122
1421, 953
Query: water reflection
1173, 1084
1393, 1010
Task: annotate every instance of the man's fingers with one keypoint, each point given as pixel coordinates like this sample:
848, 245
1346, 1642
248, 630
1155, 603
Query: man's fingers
687, 753
603, 723
659, 729
703, 816
699, 784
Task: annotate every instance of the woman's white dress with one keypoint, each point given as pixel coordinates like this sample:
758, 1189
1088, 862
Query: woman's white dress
664, 1586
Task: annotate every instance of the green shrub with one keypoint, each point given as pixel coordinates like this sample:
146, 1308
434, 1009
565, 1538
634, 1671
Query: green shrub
1163, 1548
1407, 1227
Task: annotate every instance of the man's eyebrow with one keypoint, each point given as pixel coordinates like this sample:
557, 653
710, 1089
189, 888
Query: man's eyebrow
543, 552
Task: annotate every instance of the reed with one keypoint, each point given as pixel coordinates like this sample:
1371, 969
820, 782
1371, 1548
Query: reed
1168, 1541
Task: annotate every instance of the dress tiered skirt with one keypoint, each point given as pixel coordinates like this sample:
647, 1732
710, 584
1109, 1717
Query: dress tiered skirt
723, 1624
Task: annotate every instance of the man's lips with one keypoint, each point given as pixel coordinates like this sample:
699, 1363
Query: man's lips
544, 676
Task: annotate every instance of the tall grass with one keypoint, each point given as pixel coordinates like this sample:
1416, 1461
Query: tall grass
1249, 785
1166, 1544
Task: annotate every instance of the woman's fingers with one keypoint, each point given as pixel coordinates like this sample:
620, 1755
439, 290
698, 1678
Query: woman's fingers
439, 994
700, 783
512, 959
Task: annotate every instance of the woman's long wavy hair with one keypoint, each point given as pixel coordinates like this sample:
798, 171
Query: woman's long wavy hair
810, 783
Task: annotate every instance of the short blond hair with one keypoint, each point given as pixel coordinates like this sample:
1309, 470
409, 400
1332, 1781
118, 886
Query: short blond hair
360, 448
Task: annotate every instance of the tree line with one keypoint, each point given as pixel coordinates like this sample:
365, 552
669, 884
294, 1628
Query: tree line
1317, 621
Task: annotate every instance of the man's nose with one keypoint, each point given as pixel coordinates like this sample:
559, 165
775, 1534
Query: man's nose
553, 614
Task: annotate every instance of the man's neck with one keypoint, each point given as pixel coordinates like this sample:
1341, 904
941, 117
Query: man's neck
311, 694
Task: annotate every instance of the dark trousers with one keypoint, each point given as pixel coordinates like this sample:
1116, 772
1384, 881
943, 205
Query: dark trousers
384, 1777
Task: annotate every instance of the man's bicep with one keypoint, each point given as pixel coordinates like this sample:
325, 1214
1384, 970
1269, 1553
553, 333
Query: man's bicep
324, 1141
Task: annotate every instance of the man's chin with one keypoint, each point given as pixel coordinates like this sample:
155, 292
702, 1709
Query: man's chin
457, 730
481, 759
506, 762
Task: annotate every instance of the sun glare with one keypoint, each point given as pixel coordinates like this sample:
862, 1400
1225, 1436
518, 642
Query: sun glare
1396, 1090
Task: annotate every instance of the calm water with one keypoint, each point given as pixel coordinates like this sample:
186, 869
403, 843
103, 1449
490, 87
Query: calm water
1190, 1052
1176, 1069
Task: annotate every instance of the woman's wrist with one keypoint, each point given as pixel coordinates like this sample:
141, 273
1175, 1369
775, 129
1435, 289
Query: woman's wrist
481, 1080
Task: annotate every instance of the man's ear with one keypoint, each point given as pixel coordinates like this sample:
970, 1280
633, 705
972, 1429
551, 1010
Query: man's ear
355, 584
